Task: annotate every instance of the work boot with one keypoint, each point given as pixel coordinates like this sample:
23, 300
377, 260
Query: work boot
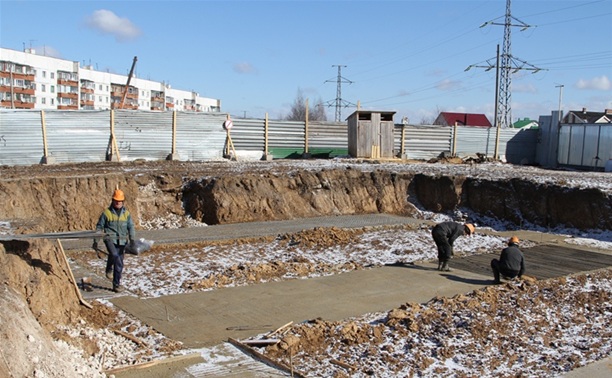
117, 288
109, 274
445, 267
439, 265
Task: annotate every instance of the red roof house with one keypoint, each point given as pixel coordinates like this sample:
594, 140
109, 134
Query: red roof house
462, 119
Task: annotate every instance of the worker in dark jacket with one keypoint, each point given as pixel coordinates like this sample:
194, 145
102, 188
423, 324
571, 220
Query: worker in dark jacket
116, 222
511, 263
444, 235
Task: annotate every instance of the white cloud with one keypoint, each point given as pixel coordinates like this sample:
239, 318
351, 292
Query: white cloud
600, 83
107, 22
245, 68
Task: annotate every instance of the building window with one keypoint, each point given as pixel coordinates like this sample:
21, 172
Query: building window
52, 75
52, 101
100, 86
43, 100
44, 74
53, 89
43, 88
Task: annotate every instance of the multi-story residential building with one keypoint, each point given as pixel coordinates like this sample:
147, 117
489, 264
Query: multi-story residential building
30, 81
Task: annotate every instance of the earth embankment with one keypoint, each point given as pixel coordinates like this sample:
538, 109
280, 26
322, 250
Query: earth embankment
70, 199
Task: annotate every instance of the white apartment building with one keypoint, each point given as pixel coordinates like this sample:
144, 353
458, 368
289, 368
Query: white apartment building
30, 81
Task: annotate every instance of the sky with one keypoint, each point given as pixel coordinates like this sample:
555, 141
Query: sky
407, 56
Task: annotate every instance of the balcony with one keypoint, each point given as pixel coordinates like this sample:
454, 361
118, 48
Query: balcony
71, 95
87, 90
15, 75
17, 90
87, 103
68, 83
68, 107
18, 105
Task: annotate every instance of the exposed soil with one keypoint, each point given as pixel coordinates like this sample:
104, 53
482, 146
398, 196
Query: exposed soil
41, 303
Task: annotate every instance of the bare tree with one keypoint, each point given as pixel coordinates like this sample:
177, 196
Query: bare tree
298, 109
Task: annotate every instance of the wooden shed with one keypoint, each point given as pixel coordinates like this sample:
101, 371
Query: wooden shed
370, 134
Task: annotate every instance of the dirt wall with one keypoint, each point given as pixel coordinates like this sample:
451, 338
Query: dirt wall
37, 271
70, 203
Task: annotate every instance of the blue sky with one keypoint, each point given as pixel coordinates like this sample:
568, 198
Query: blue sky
406, 56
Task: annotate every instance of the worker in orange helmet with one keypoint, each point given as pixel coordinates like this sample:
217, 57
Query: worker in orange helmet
116, 222
444, 235
511, 263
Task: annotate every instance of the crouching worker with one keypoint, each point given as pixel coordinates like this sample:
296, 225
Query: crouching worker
511, 263
444, 235
116, 222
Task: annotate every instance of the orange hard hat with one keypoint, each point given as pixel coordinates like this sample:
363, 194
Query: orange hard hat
513, 240
470, 227
118, 195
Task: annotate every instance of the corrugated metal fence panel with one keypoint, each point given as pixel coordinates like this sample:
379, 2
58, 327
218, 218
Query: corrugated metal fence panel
81, 136
328, 135
248, 134
286, 134
21, 140
143, 135
605, 144
200, 136
473, 140
585, 145
423, 142
564, 143
329, 138
518, 146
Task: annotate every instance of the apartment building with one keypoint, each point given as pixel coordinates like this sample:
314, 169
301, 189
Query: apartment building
30, 81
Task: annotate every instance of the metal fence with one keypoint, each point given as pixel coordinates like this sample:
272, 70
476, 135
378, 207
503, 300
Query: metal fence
32, 137
587, 145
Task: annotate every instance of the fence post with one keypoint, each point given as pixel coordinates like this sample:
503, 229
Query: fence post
496, 154
306, 154
113, 155
172, 155
266, 155
454, 146
45, 159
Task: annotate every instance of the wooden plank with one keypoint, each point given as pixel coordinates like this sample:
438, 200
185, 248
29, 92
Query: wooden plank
76, 286
153, 363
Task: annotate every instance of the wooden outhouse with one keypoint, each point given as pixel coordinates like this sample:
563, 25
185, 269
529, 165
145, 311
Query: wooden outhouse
370, 134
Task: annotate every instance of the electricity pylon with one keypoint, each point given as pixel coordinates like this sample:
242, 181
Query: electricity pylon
339, 103
509, 65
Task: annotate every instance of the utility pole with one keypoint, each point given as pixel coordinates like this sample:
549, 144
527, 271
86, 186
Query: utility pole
509, 65
560, 86
339, 103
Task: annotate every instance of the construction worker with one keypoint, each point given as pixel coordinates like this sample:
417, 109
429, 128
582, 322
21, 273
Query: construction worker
444, 235
511, 263
116, 222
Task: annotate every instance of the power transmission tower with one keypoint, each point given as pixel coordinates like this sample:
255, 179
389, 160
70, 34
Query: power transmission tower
339, 102
509, 65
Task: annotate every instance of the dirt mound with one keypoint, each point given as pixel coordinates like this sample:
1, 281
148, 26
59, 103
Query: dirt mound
37, 270
505, 326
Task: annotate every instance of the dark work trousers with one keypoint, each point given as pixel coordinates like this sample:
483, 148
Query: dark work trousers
445, 250
114, 262
498, 269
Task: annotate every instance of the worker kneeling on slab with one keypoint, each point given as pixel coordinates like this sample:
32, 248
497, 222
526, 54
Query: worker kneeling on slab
511, 263
116, 222
444, 235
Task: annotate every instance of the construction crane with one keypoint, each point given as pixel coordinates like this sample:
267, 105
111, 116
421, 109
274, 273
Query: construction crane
127, 85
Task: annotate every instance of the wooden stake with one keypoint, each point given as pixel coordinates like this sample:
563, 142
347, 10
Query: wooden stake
76, 287
261, 357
